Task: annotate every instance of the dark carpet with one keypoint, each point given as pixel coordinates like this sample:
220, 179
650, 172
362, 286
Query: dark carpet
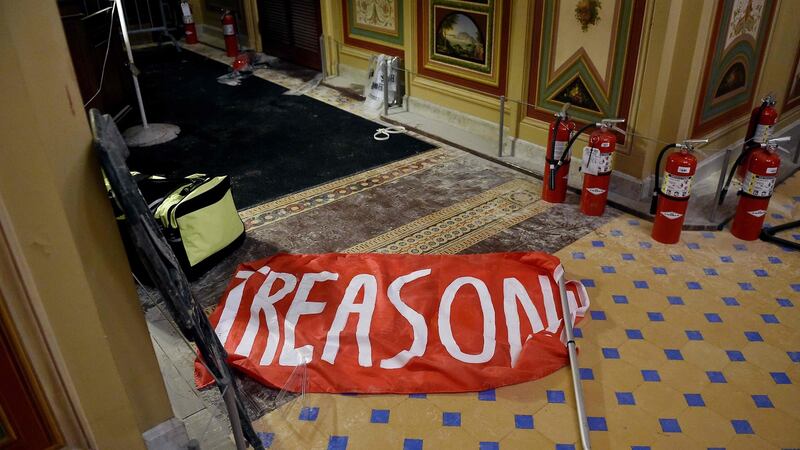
270, 144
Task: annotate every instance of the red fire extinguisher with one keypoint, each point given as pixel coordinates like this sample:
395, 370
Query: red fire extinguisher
761, 173
596, 166
189, 29
556, 166
671, 197
229, 33
762, 119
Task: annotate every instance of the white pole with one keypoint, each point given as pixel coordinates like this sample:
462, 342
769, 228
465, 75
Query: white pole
573, 363
134, 71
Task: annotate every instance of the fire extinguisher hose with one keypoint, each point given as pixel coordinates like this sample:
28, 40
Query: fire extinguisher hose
568, 149
550, 157
656, 187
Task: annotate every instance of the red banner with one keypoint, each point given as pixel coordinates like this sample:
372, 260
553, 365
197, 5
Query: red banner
373, 323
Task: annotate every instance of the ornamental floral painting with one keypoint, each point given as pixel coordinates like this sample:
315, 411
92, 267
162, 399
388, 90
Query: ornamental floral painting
375, 25
463, 42
740, 32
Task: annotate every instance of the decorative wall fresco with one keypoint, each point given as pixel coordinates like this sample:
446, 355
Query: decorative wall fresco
572, 61
730, 77
464, 42
376, 25
793, 91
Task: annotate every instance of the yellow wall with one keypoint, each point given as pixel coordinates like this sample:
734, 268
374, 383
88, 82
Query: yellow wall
51, 187
672, 54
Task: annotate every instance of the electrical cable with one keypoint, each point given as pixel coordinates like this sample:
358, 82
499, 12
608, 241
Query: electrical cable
105, 58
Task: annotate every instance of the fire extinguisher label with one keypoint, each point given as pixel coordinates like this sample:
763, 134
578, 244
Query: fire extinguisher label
595, 162
762, 133
186, 10
771, 170
684, 169
676, 185
671, 215
595, 191
187, 19
757, 213
758, 185
227, 30
558, 149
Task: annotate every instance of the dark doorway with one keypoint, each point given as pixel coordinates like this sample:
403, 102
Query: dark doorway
290, 30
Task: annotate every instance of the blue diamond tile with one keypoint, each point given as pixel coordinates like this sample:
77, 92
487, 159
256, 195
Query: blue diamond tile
486, 445
487, 395
586, 373
735, 355
628, 257
616, 233
625, 398
597, 423
659, 271
555, 397
713, 317
641, 447
741, 426
777, 216
693, 245
609, 269
746, 287
266, 438
578, 255
761, 273
640, 284
655, 316
780, 378
578, 332
621, 299
694, 400
451, 419
669, 425
794, 356
693, 285
762, 401
769, 318
739, 247
634, 334
710, 271
651, 375
597, 315
565, 446
774, 260
708, 235
677, 258
610, 353
379, 416
716, 377
730, 301
633, 222
726, 259
588, 282
645, 245
337, 443
795, 287
784, 302
598, 244
523, 421
673, 354
675, 300
412, 444
308, 414
418, 395
694, 335
753, 336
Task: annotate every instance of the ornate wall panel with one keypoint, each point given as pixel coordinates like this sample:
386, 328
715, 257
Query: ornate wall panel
464, 42
374, 24
584, 52
793, 91
740, 32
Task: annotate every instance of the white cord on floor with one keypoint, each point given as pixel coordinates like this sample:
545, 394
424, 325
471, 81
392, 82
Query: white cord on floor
105, 58
382, 134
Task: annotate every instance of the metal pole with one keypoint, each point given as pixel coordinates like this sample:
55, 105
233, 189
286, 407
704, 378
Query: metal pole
573, 363
720, 184
134, 70
796, 158
385, 87
233, 414
322, 57
500, 124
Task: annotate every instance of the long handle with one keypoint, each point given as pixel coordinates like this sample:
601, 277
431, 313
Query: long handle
573, 363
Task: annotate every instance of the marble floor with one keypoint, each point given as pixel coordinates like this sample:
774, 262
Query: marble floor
694, 345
